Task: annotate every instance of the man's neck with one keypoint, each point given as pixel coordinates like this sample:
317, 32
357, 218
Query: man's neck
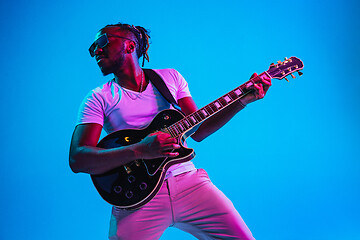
130, 77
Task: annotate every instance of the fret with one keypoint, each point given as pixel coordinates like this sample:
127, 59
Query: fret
238, 91
204, 112
174, 130
227, 98
233, 95
217, 104
188, 120
171, 132
177, 128
201, 114
242, 87
209, 110
213, 107
192, 123
181, 127
197, 116
167, 130
186, 123
192, 119
223, 102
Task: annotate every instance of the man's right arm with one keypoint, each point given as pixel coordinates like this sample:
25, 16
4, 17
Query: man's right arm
86, 157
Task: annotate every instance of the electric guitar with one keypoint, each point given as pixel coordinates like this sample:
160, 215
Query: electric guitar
134, 184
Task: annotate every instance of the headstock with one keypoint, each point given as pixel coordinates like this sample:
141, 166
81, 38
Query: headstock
285, 68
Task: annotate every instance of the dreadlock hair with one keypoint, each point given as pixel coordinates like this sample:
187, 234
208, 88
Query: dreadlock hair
142, 37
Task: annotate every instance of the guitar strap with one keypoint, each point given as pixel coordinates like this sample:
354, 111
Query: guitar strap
159, 83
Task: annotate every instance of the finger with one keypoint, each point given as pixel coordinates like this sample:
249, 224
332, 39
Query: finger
266, 88
265, 77
253, 75
170, 154
168, 137
267, 82
259, 92
258, 86
266, 85
170, 147
155, 133
162, 136
169, 140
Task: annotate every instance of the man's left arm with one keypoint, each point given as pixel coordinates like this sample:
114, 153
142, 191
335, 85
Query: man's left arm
215, 122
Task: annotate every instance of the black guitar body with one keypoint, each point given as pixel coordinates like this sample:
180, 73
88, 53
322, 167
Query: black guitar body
135, 184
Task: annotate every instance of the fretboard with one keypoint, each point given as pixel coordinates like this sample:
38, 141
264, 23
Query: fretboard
209, 110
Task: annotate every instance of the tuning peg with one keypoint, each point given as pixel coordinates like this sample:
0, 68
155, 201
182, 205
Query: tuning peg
286, 59
300, 73
279, 61
293, 76
286, 79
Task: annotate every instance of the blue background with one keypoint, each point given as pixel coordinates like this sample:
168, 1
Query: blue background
288, 162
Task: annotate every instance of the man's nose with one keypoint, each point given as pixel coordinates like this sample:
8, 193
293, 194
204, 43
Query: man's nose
98, 50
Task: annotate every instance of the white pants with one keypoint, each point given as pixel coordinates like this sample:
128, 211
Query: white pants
189, 202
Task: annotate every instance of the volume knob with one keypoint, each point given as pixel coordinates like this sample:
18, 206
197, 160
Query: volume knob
129, 194
131, 179
143, 186
117, 189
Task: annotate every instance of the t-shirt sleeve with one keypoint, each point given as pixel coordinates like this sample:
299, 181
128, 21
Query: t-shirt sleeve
91, 109
182, 86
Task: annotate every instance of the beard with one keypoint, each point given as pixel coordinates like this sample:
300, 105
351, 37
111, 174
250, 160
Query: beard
113, 66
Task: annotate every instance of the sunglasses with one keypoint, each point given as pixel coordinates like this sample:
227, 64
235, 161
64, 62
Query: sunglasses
102, 41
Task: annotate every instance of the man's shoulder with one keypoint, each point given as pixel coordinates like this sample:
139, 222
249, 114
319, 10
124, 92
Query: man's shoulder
169, 74
104, 87
103, 90
165, 71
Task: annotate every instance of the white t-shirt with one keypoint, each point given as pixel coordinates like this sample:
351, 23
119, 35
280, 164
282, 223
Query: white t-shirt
116, 108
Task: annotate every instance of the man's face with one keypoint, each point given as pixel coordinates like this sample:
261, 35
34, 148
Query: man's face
111, 57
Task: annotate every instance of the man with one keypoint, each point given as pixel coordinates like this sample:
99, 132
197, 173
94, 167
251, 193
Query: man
187, 200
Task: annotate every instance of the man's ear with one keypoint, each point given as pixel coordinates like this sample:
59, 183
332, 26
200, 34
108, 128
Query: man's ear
131, 47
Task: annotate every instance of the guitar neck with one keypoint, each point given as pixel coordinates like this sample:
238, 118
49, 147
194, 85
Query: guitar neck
196, 118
